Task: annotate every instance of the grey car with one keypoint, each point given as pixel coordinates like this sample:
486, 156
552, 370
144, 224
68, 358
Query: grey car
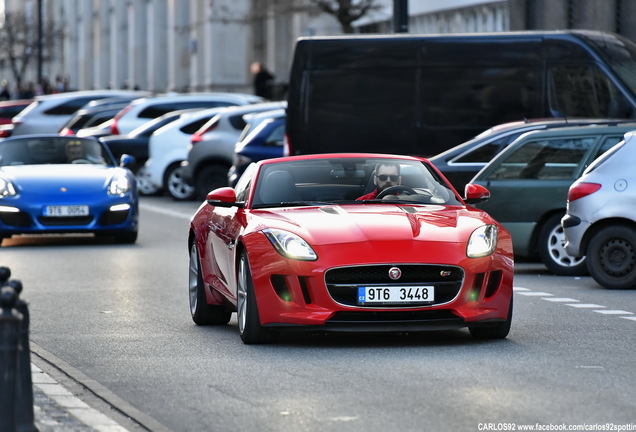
529, 182
601, 216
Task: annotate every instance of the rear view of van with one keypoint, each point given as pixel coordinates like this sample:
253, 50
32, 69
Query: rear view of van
423, 94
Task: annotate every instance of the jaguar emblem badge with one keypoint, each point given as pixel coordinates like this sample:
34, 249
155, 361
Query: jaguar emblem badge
395, 273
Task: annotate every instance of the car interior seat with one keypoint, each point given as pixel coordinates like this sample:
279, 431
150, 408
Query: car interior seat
278, 187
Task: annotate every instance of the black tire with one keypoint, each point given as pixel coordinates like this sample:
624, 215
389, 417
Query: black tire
209, 178
202, 313
126, 237
248, 317
552, 250
496, 331
611, 257
176, 185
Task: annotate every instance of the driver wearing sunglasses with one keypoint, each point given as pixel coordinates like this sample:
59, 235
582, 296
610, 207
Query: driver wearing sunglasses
385, 176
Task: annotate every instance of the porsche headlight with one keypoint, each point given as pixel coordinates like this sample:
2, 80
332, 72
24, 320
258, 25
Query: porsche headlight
6, 188
290, 245
119, 185
482, 241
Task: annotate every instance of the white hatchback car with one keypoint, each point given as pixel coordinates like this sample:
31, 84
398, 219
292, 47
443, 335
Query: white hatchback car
600, 222
141, 111
47, 114
168, 147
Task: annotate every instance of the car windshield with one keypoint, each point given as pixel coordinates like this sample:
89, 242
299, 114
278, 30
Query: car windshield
53, 150
348, 181
620, 56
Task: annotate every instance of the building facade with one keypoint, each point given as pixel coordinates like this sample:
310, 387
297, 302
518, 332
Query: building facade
204, 45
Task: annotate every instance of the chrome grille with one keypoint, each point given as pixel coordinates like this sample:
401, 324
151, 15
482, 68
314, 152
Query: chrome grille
342, 283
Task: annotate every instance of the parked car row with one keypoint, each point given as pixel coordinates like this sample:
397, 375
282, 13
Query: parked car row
106, 114
529, 183
565, 192
189, 145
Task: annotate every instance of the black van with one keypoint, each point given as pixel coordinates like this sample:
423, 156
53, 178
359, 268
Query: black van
423, 94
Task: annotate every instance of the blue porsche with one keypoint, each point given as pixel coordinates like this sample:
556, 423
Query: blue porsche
56, 184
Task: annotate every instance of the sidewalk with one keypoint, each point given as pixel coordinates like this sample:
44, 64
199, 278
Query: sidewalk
67, 400
55, 409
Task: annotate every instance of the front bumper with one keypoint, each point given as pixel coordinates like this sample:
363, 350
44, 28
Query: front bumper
104, 216
468, 292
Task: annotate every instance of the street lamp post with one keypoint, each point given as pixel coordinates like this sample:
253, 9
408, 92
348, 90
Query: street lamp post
400, 16
40, 37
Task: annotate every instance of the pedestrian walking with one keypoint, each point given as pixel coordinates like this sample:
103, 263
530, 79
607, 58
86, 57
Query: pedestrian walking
263, 80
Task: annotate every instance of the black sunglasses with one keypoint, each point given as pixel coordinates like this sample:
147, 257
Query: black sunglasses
384, 177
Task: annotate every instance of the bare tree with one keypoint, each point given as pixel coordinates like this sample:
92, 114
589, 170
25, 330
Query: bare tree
18, 42
346, 11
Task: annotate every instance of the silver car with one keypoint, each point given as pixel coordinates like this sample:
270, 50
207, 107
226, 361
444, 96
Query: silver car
601, 216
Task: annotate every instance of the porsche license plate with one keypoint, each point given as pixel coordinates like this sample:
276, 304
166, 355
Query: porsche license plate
396, 294
66, 210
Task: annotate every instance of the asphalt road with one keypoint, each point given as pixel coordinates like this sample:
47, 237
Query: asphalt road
117, 318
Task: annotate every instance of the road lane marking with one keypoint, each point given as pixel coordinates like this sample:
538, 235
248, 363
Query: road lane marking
536, 293
561, 299
600, 309
613, 312
585, 305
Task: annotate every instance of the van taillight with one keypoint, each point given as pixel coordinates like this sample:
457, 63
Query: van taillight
114, 130
581, 190
66, 132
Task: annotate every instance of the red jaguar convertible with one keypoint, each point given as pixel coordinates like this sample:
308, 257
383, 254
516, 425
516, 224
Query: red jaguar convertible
348, 242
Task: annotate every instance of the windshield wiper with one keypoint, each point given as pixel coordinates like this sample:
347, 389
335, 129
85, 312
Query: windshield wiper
293, 204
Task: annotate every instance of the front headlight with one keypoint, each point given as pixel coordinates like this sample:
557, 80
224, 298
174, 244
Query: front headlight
482, 241
290, 245
119, 185
6, 188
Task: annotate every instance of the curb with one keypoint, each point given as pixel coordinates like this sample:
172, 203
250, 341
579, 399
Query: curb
67, 400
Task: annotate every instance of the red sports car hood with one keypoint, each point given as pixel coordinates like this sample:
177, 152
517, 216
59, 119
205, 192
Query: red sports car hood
376, 222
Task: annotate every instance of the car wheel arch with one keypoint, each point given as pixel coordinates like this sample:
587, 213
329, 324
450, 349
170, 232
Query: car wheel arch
171, 166
612, 256
551, 250
536, 233
602, 224
200, 185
